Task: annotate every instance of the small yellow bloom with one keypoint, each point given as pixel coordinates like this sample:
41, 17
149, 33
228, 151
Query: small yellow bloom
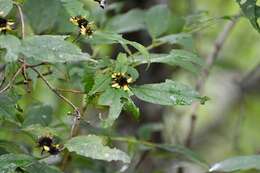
121, 80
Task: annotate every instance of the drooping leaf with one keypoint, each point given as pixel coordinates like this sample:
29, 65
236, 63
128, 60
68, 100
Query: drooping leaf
93, 147
187, 60
42, 14
167, 93
128, 22
53, 49
11, 44
157, 20
10, 147
251, 11
5, 7
9, 162
130, 107
38, 114
112, 98
237, 163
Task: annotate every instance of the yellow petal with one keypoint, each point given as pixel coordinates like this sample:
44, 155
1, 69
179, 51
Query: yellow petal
130, 80
46, 148
126, 88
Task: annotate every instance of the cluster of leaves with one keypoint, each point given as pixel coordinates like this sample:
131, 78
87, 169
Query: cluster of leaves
48, 45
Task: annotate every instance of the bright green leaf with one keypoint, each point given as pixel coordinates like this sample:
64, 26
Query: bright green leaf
157, 20
121, 63
93, 147
11, 44
130, 107
5, 7
128, 22
167, 93
237, 163
52, 49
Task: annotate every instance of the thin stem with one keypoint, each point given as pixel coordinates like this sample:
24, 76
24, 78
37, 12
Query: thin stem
9, 85
21, 19
70, 91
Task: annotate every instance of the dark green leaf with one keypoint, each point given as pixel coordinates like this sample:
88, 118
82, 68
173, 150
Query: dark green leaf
237, 163
37, 130
42, 14
251, 11
5, 7
10, 147
128, 22
52, 49
167, 93
93, 147
157, 20
130, 106
12, 45
38, 114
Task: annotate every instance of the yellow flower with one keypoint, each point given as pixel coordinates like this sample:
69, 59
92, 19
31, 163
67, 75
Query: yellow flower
121, 80
5, 25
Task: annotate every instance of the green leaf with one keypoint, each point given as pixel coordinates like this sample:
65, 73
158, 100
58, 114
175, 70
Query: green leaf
167, 93
41, 168
42, 14
187, 60
11, 44
93, 147
251, 11
10, 147
102, 82
130, 106
38, 114
121, 63
52, 49
7, 108
174, 149
37, 130
74, 7
237, 163
5, 7
157, 20
182, 39
112, 98
145, 131
131, 21
9, 162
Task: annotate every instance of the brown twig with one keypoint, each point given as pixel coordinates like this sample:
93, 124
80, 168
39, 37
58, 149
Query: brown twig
210, 60
70, 91
9, 85
21, 19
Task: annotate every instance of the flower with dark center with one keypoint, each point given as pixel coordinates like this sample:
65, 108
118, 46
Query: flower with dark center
86, 27
46, 143
121, 80
5, 25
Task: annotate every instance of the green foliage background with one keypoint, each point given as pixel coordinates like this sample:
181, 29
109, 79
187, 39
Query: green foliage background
163, 47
